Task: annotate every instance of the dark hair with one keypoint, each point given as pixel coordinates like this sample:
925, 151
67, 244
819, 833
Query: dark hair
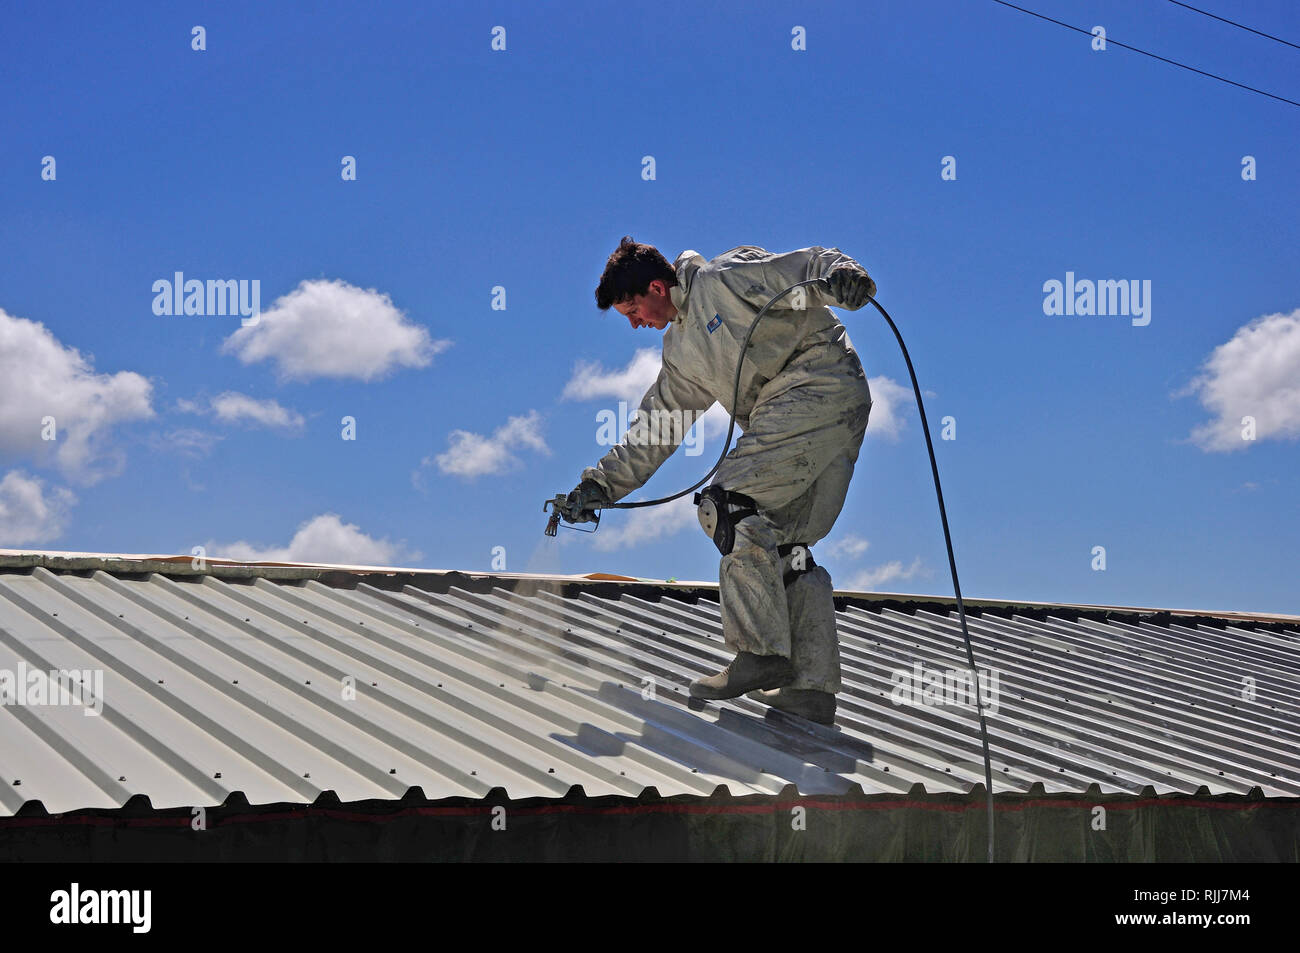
629, 271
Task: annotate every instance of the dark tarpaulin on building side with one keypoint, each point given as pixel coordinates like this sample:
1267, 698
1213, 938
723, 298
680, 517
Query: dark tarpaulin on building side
751, 828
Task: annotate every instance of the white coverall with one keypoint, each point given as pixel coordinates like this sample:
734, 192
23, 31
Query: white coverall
804, 404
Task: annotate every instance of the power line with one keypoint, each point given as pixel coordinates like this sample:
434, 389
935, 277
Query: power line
1193, 69
1241, 26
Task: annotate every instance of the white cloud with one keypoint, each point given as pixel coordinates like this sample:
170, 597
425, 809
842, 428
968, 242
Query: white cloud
28, 514
186, 441
322, 539
591, 381
889, 399
329, 328
846, 547
41, 378
645, 525
870, 580
232, 407
1256, 374
473, 455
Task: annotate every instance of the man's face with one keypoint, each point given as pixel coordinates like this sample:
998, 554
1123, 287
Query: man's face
654, 309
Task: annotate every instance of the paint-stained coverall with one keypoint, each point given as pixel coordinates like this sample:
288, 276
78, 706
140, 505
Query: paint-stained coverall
803, 407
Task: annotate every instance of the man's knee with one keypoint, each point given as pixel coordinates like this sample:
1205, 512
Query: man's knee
720, 512
796, 560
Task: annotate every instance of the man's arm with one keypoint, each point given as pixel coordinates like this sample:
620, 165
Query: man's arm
669, 408
756, 275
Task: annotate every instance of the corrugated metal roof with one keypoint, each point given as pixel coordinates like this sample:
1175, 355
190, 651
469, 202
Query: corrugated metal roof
216, 685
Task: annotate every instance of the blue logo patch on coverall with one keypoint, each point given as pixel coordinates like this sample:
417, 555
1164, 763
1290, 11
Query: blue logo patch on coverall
714, 323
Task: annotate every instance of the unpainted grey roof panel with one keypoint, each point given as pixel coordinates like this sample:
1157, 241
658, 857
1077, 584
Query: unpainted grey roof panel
284, 689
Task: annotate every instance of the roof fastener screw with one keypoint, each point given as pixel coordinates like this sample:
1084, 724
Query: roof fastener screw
552, 771
473, 774
307, 775
121, 777
392, 770
236, 681
217, 775
18, 780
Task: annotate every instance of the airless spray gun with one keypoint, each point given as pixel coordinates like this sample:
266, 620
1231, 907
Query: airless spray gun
558, 506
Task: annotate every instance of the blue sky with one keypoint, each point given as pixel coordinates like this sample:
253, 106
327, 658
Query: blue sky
521, 168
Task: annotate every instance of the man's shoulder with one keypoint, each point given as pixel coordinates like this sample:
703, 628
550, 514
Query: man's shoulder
740, 253
716, 269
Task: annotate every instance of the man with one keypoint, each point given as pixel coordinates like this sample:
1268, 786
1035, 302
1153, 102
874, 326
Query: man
803, 407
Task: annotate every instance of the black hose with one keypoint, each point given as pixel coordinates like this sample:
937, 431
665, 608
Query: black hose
952, 564
943, 516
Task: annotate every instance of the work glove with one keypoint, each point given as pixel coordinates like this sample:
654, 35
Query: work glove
580, 499
850, 286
